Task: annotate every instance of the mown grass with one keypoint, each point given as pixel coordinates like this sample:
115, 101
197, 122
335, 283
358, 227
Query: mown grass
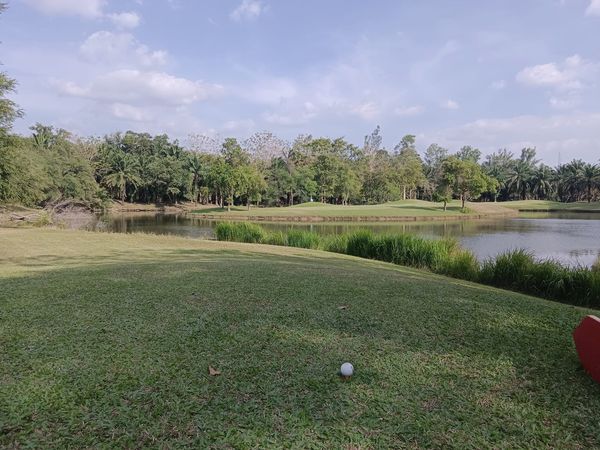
547, 205
106, 339
514, 270
407, 208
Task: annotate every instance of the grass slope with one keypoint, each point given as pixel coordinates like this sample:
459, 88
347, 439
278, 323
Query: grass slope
407, 208
106, 339
546, 205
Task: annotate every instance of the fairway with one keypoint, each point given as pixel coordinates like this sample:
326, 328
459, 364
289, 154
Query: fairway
404, 209
106, 340
547, 205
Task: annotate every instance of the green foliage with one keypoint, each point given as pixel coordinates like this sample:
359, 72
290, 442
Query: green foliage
240, 232
466, 179
52, 166
302, 239
519, 271
275, 238
336, 243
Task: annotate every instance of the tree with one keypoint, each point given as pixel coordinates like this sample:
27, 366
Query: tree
591, 179
372, 142
123, 172
468, 153
409, 166
251, 184
520, 179
432, 166
196, 169
466, 179
542, 180
443, 194
9, 111
499, 165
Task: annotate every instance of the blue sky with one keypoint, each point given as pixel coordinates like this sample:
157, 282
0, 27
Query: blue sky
503, 74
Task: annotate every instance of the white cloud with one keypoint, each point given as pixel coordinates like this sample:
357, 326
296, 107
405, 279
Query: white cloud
129, 112
565, 102
247, 10
88, 9
367, 110
574, 135
409, 111
566, 81
140, 88
125, 19
243, 125
292, 114
84, 8
572, 74
449, 104
498, 85
593, 9
270, 91
116, 48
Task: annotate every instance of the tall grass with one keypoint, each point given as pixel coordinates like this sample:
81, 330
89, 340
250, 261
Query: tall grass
240, 232
515, 270
519, 271
303, 239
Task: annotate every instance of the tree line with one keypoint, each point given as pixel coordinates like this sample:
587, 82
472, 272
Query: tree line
51, 166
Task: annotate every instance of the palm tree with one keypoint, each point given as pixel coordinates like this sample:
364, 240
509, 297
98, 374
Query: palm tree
196, 168
543, 182
521, 176
591, 178
571, 180
122, 172
520, 179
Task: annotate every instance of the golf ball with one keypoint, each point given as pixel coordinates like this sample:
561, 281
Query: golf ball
347, 369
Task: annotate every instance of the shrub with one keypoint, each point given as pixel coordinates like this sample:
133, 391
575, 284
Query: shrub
510, 270
361, 243
275, 238
337, 243
461, 264
302, 239
239, 232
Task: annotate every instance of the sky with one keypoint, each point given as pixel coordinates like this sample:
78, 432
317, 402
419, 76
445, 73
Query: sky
501, 74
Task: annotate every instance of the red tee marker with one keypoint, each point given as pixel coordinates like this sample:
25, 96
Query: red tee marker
587, 342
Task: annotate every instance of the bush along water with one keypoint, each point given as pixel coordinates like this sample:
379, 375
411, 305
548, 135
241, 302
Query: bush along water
515, 270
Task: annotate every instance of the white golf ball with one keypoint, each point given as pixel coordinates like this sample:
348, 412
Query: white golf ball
347, 369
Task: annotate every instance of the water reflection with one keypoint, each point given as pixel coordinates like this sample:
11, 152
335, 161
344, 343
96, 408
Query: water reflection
571, 238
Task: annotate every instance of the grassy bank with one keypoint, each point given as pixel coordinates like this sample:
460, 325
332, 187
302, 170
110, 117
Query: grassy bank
106, 341
515, 270
549, 206
392, 211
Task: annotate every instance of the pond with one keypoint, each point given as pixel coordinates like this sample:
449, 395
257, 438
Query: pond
572, 238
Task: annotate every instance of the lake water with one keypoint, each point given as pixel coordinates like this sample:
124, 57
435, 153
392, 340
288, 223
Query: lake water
572, 238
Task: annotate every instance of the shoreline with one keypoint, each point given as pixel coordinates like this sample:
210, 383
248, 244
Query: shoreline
313, 219
558, 210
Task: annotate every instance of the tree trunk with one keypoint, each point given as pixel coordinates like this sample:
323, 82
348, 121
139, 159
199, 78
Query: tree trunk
291, 201
445, 204
462, 199
403, 192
